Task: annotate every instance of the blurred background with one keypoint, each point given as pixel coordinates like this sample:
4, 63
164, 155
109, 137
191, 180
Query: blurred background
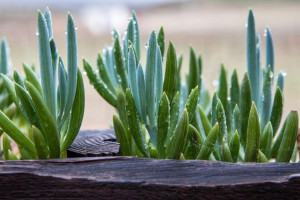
216, 29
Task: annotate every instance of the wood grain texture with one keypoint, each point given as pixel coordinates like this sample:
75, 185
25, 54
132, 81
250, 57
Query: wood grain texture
91, 143
137, 178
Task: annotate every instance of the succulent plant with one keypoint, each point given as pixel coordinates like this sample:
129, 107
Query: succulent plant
54, 112
248, 116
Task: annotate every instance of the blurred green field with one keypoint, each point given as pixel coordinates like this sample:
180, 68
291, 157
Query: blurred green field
214, 29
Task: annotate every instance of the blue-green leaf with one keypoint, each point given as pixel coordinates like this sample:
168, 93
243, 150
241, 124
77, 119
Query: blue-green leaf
137, 43
150, 78
269, 50
266, 99
159, 78
4, 59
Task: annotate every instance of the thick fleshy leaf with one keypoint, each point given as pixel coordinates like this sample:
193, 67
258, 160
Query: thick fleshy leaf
280, 80
261, 158
225, 152
161, 41
253, 136
194, 75
215, 101
269, 50
191, 102
159, 78
137, 44
142, 91
32, 78
120, 65
234, 90
289, 137
252, 68
195, 143
98, 84
223, 87
150, 78
209, 143
163, 121
170, 73
221, 118
234, 146
180, 135
105, 76
134, 124
277, 110
266, 98
48, 123
18, 79
49, 22
277, 141
132, 79
266, 140
245, 105
40, 144
72, 67
27, 106
62, 87
16, 134
121, 137
205, 121
46, 64
4, 59
76, 114
174, 115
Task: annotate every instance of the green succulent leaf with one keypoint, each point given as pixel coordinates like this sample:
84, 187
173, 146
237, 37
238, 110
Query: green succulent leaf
194, 75
142, 91
170, 73
266, 140
48, 123
134, 124
215, 101
98, 84
159, 78
252, 67
192, 101
223, 87
253, 136
104, 75
209, 143
180, 135
137, 43
266, 98
269, 50
261, 158
163, 121
40, 144
234, 90
161, 41
76, 114
120, 65
225, 152
174, 115
277, 110
4, 57
280, 80
286, 148
46, 64
32, 78
121, 137
16, 134
245, 105
234, 146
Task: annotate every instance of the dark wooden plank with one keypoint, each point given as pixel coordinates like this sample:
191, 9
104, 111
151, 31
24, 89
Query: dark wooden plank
136, 178
91, 143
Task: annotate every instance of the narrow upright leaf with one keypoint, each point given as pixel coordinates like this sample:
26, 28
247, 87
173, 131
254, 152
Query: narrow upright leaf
170, 73
163, 121
253, 135
252, 68
234, 146
223, 87
266, 140
289, 137
150, 78
4, 59
46, 64
161, 41
234, 90
280, 80
269, 50
137, 43
245, 105
277, 109
266, 98
120, 65
194, 74
159, 77
121, 136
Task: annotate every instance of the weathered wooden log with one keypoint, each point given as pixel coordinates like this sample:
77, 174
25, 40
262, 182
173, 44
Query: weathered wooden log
137, 178
93, 143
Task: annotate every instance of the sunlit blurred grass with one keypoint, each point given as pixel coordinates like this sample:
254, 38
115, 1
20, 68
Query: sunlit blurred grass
216, 30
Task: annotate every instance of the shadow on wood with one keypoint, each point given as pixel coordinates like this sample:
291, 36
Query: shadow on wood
137, 178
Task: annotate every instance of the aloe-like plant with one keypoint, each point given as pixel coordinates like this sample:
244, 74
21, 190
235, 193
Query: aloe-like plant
248, 116
54, 112
148, 104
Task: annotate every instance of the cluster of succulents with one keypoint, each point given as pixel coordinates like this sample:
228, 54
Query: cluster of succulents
159, 115
52, 114
163, 117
